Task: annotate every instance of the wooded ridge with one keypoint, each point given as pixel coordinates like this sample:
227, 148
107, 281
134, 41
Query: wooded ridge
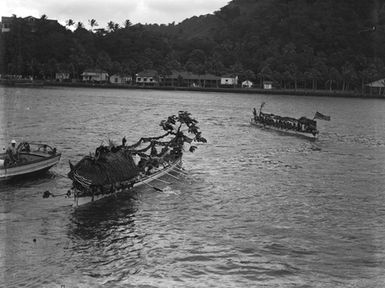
311, 44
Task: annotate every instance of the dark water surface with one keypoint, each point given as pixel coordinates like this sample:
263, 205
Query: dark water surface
257, 208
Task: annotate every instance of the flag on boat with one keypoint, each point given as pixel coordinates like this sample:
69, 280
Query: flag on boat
260, 108
321, 116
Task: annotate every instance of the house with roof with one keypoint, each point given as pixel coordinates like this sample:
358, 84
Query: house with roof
94, 75
30, 21
229, 80
62, 76
267, 85
189, 79
5, 24
247, 84
120, 79
377, 86
147, 77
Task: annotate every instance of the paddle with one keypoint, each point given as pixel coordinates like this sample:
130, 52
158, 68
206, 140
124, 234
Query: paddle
181, 171
153, 187
173, 176
160, 180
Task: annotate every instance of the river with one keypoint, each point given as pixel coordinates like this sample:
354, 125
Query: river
257, 208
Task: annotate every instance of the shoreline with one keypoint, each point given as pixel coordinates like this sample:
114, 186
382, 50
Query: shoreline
286, 92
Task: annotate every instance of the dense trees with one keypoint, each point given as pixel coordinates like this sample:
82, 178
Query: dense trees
314, 44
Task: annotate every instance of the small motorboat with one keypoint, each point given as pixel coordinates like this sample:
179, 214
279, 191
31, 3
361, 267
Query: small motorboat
32, 158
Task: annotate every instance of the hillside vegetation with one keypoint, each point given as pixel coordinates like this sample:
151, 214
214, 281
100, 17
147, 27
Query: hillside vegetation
319, 44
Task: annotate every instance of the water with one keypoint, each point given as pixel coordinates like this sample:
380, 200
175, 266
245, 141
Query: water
257, 208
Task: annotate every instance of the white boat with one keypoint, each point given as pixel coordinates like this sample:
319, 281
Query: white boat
32, 158
140, 181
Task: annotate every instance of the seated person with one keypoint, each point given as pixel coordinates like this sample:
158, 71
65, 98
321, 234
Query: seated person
24, 147
42, 148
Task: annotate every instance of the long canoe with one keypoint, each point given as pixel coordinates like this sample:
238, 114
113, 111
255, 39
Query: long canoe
78, 201
284, 131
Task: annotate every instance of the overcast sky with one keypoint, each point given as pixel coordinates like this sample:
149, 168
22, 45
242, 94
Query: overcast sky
103, 11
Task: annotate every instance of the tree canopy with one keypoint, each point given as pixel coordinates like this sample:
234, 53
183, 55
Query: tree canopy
319, 44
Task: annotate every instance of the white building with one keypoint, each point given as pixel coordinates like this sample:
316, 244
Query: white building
95, 76
62, 76
377, 86
247, 84
268, 85
148, 77
120, 79
229, 80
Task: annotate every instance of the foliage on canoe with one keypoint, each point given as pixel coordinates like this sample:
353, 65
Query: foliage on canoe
110, 167
114, 164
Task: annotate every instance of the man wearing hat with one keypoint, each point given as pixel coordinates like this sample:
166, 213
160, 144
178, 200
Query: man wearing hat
12, 152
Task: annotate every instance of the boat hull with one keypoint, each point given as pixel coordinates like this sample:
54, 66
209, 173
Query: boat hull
285, 131
37, 166
83, 200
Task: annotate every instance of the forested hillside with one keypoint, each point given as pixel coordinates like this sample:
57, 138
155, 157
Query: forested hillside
321, 44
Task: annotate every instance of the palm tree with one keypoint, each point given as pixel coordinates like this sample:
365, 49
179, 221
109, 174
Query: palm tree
127, 23
70, 23
93, 23
110, 26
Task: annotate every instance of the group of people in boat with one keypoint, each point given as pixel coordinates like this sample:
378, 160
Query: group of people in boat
302, 124
144, 162
13, 152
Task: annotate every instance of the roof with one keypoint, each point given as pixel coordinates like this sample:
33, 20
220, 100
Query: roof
191, 76
378, 84
93, 71
229, 76
6, 19
121, 75
147, 73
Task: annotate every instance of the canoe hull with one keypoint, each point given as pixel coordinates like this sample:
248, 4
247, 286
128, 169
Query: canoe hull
285, 131
81, 201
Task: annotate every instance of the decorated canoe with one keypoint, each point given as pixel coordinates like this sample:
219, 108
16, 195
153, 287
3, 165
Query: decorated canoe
302, 127
287, 131
113, 169
32, 158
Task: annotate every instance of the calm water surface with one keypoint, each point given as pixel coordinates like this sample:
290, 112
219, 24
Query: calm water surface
257, 208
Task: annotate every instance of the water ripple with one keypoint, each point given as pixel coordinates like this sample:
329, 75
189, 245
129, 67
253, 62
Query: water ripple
256, 208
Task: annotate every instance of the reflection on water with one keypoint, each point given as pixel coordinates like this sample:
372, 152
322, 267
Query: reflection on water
256, 208
105, 237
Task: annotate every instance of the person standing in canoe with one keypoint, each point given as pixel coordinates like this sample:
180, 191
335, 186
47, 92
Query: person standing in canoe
12, 152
